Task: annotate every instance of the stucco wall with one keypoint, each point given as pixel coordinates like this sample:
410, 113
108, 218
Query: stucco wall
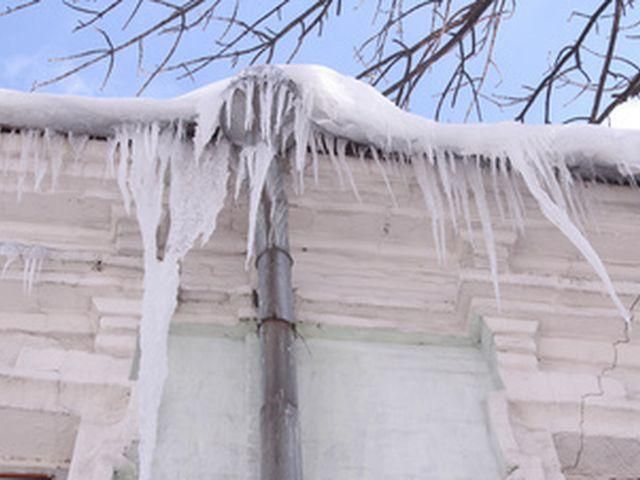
368, 410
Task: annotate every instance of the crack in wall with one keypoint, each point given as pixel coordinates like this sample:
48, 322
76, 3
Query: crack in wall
625, 339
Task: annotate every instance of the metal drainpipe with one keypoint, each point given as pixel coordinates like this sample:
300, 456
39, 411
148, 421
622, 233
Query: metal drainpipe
281, 457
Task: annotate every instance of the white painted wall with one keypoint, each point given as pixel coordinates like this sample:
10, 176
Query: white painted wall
207, 415
367, 410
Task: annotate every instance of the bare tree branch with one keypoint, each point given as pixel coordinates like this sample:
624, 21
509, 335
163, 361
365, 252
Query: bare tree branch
454, 45
8, 10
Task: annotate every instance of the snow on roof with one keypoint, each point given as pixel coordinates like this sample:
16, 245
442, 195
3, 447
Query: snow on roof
626, 115
339, 105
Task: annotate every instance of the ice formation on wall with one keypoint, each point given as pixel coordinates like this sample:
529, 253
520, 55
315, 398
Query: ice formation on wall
244, 123
197, 191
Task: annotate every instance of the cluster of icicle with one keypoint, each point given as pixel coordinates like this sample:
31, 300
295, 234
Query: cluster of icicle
449, 180
145, 154
271, 113
39, 153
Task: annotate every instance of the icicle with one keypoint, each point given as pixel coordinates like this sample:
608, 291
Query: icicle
439, 208
297, 183
361, 156
557, 216
123, 139
461, 189
145, 181
514, 201
334, 162
11, 252
208, 121
35, 149
493, 165
249, 87
314, 156
27, 141
625, 168
78, 144
33, 257
158, 304
422, 176
4, 166
383, 172
301, 130
110, 164
229, 111
445, 180
568, 188
519, 200
400, 160
266, 107
477, 186
258, 160
582, 203
55, 151
455, 197
39, 163
342, 146
161, 282
241, 174
281, 100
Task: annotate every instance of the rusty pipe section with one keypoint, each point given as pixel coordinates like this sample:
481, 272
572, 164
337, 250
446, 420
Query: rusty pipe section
281, 457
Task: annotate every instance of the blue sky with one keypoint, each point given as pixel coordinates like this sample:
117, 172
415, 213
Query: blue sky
34, 36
